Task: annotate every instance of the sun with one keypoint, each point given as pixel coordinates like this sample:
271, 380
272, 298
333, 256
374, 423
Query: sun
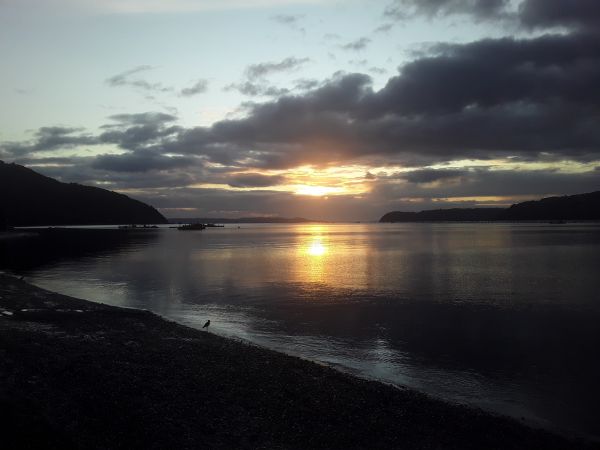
316, 191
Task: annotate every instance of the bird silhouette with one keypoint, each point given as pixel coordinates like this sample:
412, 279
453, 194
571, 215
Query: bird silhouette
206, 324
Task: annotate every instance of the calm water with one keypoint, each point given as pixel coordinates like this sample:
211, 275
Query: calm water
504, 317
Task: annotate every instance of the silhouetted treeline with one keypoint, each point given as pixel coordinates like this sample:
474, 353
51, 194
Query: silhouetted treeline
28, 198
450, 215
570, 207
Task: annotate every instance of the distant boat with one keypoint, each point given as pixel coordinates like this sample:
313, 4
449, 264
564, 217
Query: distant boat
192, 226
213, 225
555, 222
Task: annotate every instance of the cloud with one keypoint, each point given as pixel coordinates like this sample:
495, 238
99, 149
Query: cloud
384, 28
357, 45
287, 19
199, 87
377, 70
551, 13
405, 9
264, 69
147, 118
48, 139
305, 84
256, 84
488, 99
578, 14
140, 161
126, 79
257, 89
493, 98
245, 180
292, 21
432, 175
483, 182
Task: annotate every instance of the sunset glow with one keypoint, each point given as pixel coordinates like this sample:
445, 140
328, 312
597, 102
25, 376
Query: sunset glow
318, 191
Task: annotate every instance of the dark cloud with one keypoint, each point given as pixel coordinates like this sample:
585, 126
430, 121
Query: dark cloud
140, 161
492, 98
487, 99
146, 118
136, 131
404, 9
483, 182
48, 139
199, 87
357, 45
529, 13
548, 69
432, 175
83, 170
550, 13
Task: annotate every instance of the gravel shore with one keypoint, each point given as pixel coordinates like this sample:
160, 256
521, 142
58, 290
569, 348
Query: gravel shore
81, 375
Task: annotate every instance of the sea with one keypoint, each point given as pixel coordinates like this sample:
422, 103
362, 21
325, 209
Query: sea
503, 317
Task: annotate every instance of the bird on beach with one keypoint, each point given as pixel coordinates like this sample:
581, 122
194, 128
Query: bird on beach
206, 324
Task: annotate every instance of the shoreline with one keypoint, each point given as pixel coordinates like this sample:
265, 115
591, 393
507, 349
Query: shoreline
86, 375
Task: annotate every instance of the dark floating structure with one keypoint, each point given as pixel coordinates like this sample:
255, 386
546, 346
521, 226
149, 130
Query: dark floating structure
192, 227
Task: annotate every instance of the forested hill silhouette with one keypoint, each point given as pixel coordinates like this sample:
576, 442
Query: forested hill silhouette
28, 198
570, 207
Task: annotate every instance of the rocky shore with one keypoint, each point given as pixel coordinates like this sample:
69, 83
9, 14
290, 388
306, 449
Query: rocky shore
81, 375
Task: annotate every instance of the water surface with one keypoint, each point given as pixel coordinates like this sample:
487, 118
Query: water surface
501, 316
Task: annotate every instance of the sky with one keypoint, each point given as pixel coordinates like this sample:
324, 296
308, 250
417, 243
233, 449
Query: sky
337, 110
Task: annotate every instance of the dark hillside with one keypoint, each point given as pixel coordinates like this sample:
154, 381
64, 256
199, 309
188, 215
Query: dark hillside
28, 198
569, 207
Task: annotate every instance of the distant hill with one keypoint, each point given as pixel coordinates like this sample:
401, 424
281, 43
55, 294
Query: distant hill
446, 215
242, 220
570, 207
28, 198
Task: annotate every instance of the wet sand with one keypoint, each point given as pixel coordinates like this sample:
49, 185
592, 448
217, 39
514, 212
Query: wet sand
77, 374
